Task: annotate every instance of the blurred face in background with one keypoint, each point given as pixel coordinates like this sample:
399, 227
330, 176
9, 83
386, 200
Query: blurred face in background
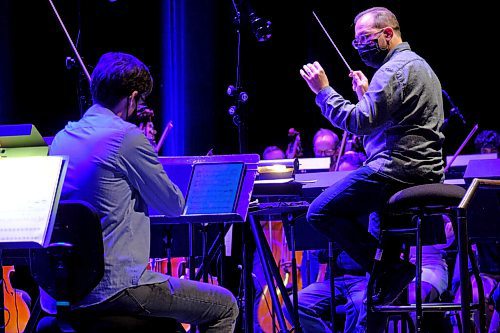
273, 153
325, 146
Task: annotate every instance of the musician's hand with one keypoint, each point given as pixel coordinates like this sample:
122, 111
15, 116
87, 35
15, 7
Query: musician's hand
315, 76
359, 83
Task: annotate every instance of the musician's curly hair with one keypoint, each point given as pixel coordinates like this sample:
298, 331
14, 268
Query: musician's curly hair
487, 139
117, 75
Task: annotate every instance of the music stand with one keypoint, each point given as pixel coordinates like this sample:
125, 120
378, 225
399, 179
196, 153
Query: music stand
30, 188
21, 140
29, 195
180, 170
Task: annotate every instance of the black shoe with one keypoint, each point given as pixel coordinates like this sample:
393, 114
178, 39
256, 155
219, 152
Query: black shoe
392, 281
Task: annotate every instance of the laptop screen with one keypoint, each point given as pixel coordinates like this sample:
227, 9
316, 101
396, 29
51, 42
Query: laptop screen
213, 188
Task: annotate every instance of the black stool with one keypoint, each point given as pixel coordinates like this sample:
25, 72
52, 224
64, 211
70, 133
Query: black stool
420, 202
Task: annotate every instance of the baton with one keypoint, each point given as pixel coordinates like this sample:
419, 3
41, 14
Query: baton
331, 40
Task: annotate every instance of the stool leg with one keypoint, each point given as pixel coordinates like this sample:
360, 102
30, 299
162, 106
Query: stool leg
464, 271
410, 323
370, 315
418, 275
480, 291
331, 263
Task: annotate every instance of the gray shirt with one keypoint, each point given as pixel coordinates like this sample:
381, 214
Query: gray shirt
114, 167
399, 117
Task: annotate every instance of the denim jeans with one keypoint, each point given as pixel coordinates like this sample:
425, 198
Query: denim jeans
314, 303
339, 210
211, 307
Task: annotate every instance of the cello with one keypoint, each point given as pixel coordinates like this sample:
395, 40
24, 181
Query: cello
16, 312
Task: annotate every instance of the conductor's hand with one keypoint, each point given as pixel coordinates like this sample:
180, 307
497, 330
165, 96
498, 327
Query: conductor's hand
359, 83
315, 76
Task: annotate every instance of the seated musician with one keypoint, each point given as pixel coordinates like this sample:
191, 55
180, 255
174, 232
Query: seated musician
399, 114
114, 167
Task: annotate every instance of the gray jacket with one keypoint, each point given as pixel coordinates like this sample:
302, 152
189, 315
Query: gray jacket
399, 117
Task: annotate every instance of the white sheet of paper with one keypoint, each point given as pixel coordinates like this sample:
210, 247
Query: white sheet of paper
28, 187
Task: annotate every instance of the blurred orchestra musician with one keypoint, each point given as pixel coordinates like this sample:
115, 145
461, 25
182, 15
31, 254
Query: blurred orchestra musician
351, 160
273, 153
487, 142
294, 147
326, 144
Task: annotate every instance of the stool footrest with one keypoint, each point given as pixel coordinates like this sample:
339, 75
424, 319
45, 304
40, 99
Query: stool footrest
409, 232
427, 307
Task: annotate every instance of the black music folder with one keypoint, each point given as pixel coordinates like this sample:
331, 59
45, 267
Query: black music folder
218, 190
213, 192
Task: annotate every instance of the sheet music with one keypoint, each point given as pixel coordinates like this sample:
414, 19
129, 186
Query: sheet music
28, 186
214, 188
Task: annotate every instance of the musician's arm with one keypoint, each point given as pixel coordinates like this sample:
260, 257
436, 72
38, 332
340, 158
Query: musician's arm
141, 165
371, 112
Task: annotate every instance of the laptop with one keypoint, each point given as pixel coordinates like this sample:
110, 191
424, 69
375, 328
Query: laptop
212, 194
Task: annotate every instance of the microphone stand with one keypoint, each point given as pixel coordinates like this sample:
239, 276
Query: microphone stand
454, 111
236, 91
75, 51
239, 97
85, 71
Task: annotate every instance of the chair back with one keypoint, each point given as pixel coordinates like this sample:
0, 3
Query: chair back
73, 264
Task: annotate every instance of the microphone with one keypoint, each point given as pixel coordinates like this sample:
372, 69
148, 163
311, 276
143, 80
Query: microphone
454, 109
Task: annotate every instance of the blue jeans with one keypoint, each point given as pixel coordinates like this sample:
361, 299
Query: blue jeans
339, 210
211, 307
314, 303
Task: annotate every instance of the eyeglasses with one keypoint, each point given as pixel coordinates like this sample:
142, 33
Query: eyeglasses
324, 153
362, 40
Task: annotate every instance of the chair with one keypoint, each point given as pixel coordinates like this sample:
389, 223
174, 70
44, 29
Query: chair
419, 202
71, 266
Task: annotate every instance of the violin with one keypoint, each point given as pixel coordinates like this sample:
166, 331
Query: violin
16, 312
145, 123
294, 148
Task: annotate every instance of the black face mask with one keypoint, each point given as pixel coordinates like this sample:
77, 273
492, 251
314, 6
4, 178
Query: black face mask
372, 55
